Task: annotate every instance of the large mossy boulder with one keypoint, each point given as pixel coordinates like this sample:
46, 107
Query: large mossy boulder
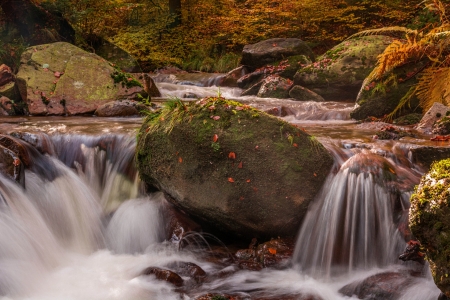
273, 50
59, 78
430, 221
232, 167
339, 73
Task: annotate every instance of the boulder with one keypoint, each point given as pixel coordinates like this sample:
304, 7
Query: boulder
10, 91
442, 126
59, 78
6, 75
275, 86
6, 106
429, 221
272, 50
230, 79
339, 73
233, 168
383, 286
436, 111
303, 94
378, 98
120, 108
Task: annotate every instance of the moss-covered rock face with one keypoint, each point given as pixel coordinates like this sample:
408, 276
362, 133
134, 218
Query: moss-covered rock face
380, 98
339, 73
430, 221
232, 167
59, 78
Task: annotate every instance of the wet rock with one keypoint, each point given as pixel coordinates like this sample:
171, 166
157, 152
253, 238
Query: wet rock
7, 106
177, 223
412, 252
250, 265
281, 111
164, 275
188, 269
232, 167
253, 90
249, 80
390, 132
275, 86
10, 91
274, 252
121, 108
303, 94
288, 297
430, 218
442, 126
232, 77
272, 50
425, 156
339, 73
39, 140
16, 147
59, 78
11, 166
436, 111
6, 75
150, 87
383, 286
215, 296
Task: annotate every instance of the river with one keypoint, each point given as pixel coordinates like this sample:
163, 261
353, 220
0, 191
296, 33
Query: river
85, 229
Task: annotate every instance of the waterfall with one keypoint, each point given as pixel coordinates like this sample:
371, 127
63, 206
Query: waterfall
352, 225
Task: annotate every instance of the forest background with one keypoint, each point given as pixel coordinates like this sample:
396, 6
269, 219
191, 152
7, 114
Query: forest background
208, 35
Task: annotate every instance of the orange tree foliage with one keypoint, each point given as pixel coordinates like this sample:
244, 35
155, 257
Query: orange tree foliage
212, 29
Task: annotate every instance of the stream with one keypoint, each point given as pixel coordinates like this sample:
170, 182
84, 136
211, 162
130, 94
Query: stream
85, 229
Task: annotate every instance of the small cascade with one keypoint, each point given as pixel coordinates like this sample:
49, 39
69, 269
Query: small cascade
353, 225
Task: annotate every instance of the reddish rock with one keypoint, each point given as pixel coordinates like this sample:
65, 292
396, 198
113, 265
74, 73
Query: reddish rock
164, 275
177, 223
232, 77
120, 108
6, 75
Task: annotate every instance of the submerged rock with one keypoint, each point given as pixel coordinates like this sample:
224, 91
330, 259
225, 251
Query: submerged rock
275, 86
430, 221
121, 109
233, 168
383, 286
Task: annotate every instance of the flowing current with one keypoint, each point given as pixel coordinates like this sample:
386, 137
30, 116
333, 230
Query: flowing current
83, 227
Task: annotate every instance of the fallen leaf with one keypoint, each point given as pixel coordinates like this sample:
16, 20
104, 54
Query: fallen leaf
215, 118
295, 145
215, 138
230, 179
180, 160
248, 180
240, 165
16, 162
241, 198
315, 175
232, 155
57, 74
272, 251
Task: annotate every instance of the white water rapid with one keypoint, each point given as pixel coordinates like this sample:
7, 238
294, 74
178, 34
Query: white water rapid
83, 228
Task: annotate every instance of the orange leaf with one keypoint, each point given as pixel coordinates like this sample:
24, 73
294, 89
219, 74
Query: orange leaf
230, 179
248, 180
16, 162
295, 145
240, 165
272, 251
315, 175
215, 138
180, 160
232, 155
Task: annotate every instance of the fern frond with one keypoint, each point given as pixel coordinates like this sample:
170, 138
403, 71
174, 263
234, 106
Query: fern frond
434, 86
402, 103
394, 31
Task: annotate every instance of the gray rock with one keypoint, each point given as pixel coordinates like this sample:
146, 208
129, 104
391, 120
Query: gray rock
303, 94
436, 111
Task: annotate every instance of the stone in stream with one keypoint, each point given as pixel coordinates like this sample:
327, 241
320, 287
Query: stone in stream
430, 219
164, 275
232, 168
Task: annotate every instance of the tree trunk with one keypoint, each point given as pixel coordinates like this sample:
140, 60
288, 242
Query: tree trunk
36, 25
175, 10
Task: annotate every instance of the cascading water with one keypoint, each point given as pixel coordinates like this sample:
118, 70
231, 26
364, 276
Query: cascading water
83, 228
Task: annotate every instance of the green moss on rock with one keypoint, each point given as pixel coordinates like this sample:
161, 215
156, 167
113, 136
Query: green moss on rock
430, 221
231, 166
